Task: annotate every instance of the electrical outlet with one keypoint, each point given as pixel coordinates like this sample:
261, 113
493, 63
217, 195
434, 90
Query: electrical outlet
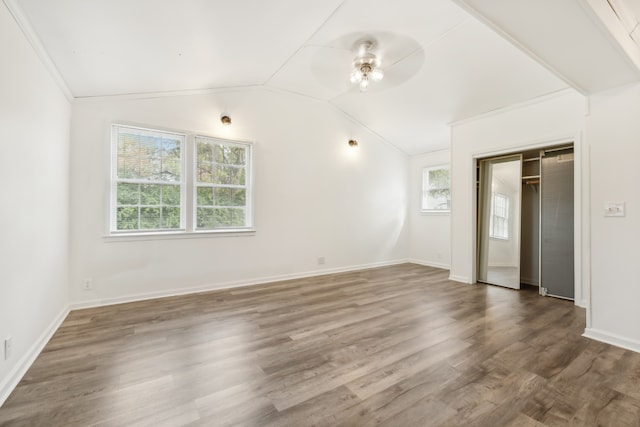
320, 260
88, 283
8, 347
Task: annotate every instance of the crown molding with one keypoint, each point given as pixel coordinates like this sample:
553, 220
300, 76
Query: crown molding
518, 105
36, 44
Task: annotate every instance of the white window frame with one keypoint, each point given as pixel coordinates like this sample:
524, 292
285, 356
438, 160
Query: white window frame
424, 200
188, 198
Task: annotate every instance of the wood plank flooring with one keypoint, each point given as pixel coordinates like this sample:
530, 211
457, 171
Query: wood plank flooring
395, 346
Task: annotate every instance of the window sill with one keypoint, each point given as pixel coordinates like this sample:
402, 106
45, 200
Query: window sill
170, 235
436, 212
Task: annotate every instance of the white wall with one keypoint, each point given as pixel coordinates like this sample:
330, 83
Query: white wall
314, 197
34, 134
429, 233
553, 119
613, 133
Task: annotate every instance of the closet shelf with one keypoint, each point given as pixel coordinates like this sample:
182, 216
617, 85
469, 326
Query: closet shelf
531, 177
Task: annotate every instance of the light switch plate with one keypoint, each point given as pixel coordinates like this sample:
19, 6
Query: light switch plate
614, 209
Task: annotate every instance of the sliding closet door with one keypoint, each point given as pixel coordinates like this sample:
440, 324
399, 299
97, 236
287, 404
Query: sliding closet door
499, 221
556, 199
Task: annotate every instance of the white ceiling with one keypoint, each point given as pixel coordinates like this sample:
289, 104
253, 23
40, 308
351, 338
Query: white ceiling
564, 35
441, 63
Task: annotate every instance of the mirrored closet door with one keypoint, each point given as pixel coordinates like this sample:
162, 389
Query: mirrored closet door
499, 204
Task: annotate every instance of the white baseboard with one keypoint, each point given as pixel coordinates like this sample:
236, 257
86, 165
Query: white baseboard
613, 339
461, 279
15, 375
430, 264
227, 285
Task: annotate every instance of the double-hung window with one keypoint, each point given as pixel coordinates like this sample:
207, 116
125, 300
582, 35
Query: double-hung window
499, 221
436, 192
147, 186
221, 184
155, 190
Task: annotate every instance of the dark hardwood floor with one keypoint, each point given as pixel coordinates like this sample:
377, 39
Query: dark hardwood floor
396, 346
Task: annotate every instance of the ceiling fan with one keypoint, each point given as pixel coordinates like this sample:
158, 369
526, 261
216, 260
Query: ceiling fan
371, 62
366, 67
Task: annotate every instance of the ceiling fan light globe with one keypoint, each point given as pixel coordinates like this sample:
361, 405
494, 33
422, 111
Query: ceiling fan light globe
377, 74
356, 76
364, 84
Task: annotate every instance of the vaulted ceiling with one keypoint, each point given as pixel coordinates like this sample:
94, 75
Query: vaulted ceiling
443, 60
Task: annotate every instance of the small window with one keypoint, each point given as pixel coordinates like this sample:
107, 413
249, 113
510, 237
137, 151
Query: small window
436, 192
499, 220
221, 184
147, 180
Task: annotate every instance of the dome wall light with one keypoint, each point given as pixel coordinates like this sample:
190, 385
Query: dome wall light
366, 67
225, 119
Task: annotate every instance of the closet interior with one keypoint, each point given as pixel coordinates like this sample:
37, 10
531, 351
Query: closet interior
525, 220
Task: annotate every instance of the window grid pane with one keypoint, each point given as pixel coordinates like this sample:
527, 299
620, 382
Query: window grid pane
436, 193
148, 182
220, 184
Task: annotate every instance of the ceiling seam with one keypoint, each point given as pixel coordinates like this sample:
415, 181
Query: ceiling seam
359, 123
162, 94
276, 89
338, 110
303, 45
432, 42
479, 16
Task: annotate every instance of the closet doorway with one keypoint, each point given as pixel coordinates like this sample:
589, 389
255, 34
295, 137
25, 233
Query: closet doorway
525, 220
